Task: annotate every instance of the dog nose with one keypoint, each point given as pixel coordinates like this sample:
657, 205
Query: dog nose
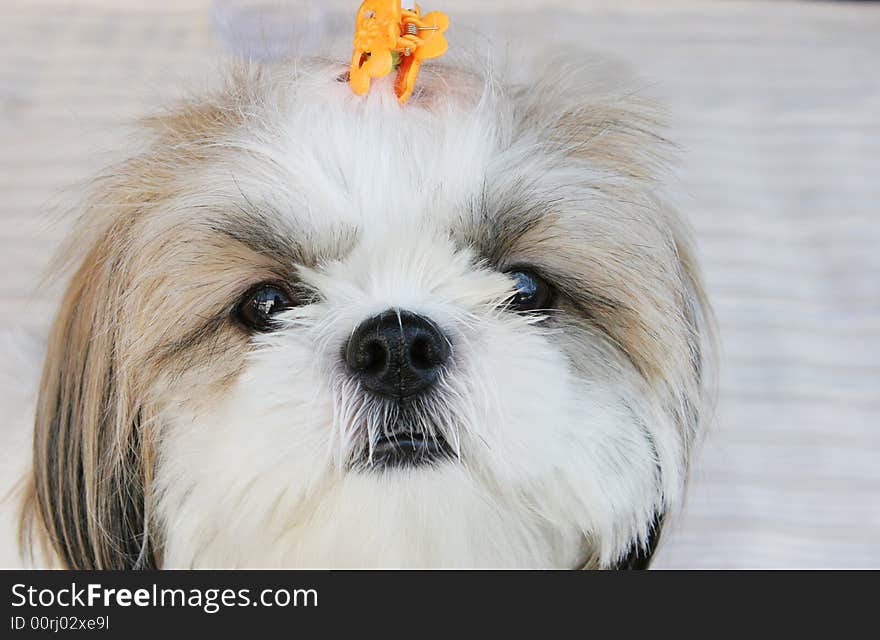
397, 353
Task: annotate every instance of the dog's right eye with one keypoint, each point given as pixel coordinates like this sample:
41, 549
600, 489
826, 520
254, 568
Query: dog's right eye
260, 305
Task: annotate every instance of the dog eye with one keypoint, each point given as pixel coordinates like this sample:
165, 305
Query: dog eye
259, 306
532, 291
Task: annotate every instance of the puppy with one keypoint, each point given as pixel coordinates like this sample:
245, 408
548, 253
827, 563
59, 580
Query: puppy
306, 328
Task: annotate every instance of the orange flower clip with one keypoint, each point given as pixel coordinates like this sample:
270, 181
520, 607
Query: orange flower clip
388, 37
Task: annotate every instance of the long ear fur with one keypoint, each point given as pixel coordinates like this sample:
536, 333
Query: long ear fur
88, 502
92, 452
667, 331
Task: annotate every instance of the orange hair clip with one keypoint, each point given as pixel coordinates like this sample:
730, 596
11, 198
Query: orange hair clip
388, 37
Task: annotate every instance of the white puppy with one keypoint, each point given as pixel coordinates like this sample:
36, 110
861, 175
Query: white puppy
308, 328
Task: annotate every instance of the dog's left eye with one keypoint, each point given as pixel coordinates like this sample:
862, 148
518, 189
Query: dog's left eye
532, 291
259, 306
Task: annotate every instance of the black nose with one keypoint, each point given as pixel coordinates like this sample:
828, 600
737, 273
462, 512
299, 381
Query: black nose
397, 353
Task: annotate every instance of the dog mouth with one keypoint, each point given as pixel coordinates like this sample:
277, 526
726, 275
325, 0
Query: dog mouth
408, 449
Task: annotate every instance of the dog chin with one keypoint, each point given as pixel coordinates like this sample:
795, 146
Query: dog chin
413, 517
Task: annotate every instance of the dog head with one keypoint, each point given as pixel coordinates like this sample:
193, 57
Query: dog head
308, 328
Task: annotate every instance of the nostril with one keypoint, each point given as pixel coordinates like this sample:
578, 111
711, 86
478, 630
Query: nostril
422, 355
374, 358
428, 352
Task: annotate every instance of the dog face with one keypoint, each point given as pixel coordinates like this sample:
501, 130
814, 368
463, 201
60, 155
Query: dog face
317, 329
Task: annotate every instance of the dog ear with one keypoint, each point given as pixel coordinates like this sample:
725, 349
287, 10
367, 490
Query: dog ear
594, 114
88, 500
92, 453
